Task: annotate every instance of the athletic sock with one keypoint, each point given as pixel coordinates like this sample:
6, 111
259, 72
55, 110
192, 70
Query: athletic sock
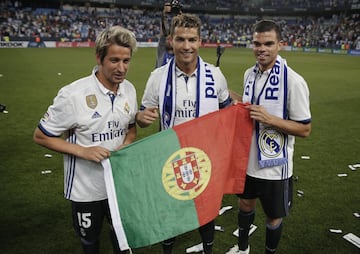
207, 232
273, 235
168, 245
245, 219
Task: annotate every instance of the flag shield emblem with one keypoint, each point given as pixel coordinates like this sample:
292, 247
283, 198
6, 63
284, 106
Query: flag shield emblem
186, 173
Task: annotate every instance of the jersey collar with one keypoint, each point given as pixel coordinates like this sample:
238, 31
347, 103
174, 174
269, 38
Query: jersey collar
103, 89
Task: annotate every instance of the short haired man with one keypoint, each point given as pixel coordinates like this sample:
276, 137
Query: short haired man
279, 103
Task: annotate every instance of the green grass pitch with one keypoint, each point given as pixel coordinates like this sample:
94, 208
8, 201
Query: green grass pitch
35, 218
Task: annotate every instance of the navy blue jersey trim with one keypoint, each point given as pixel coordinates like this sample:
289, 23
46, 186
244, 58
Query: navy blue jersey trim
70, 170
49, 134
305, 121
225, 103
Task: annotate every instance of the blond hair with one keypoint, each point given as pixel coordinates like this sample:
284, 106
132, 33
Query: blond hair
114, 35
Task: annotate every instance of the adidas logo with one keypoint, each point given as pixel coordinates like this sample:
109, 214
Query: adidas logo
96, 115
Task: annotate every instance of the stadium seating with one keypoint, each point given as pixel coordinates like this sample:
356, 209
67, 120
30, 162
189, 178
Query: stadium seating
22, 21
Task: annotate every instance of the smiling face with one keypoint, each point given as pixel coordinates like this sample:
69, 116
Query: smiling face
266, 46
114, 66
186, 43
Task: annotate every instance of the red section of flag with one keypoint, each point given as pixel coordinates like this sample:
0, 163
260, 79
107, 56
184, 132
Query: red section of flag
225, 137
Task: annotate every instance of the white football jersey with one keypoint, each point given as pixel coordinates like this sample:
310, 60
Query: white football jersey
185, 92
298, 109
84, 112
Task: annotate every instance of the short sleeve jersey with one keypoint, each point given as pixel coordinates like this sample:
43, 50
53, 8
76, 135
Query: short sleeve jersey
185, 92
298, 109
87, 115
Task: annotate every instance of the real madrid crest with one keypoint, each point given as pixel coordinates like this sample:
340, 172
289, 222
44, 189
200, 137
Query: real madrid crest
127, 108
91, 101
271, 142
186, 173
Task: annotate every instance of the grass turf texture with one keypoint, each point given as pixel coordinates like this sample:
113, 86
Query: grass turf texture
35, 218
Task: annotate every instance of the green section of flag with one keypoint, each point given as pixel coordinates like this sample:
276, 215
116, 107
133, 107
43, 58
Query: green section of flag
142, 197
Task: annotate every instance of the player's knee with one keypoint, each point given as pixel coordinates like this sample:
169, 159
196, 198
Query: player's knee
247, 205
273, 223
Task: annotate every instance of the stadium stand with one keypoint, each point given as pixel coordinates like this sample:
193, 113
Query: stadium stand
327, 23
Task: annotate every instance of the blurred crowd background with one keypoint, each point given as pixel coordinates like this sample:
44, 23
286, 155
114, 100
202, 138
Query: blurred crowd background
322, 23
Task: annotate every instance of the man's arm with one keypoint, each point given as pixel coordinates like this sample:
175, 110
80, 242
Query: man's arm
164, 31
130, 136
147, 116
290, 127
58, 144
235, 97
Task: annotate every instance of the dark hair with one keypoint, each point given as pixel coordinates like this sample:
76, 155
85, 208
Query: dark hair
185, 20
267, 26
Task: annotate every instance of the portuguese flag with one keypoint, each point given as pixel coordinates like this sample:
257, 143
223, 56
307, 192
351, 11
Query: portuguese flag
173, 181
